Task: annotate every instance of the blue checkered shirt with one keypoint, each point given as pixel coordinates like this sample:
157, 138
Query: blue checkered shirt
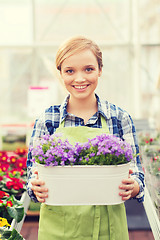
119, 123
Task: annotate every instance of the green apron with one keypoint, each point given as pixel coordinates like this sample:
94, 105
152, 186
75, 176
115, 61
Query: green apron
89, 222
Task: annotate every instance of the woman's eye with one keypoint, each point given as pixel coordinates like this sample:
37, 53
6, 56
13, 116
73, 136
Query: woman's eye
70, 71
89, 69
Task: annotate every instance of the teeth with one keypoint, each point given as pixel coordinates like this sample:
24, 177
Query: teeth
80, 87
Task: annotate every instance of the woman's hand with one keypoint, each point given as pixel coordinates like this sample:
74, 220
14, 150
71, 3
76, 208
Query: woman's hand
130, 186
38, 189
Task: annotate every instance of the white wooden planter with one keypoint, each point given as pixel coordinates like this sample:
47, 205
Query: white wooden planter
25, 200
83, 185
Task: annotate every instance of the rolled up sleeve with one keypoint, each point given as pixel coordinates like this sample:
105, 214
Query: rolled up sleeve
39, 129
129, 134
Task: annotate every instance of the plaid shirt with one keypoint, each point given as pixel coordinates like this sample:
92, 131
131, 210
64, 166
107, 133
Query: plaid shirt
119, 123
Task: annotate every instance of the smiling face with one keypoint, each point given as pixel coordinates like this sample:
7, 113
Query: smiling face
80, 73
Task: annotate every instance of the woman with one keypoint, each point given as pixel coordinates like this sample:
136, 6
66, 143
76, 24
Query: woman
79, 61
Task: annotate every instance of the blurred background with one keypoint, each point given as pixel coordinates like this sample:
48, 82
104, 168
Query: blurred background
128, 33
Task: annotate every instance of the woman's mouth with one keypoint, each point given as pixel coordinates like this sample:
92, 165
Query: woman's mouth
80, 87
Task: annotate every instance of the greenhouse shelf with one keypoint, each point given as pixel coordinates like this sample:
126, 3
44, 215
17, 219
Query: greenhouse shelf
152, 215
25, 203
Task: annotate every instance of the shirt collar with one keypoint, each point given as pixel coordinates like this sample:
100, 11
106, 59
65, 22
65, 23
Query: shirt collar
103, 108
63, 109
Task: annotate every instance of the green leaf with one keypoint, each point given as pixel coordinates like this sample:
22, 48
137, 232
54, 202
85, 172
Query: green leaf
5, 233
15, 201
16, 212
45, 147
15, 236
10, 235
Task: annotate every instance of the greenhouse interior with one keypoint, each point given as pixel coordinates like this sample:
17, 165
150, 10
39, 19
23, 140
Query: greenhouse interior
128, 34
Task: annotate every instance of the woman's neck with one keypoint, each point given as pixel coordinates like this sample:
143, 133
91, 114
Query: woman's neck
84, 108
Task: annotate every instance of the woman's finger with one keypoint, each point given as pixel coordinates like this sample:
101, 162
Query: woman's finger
127, 197
42, 200
41, 195
130, 171
126, 187
128, 181
39, 189
35, 172
37, 182
126, 194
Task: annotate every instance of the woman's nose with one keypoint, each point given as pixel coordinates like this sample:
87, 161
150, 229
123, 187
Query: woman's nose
79, 78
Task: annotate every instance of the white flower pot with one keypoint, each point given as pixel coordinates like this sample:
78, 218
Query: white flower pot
83, 185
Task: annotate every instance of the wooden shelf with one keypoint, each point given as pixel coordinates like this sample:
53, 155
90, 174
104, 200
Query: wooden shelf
32, 213
152, 215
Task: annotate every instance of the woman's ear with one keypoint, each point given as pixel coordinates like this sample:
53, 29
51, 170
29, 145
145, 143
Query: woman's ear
100, 72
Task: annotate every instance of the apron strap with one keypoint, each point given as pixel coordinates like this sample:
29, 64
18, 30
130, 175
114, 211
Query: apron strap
61, 125
103, 122
97, 222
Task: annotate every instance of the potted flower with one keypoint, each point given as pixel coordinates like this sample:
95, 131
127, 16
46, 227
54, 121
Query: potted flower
10, 207
150, 151
12, 172
82, 173
6, 232
153, 171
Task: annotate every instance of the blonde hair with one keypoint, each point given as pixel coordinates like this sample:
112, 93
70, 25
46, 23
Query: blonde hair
74, 45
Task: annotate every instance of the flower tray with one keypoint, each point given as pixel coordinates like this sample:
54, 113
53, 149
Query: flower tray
83, 185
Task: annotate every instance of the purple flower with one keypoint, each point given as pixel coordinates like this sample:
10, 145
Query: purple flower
101, 150
92, 154
40, 158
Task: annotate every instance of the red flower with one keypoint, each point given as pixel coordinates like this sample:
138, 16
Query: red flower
4, 167
21, 162
2, 194
9, 184
21, 151
155, 158
6, 194
147, 141
16, 170
1, 178
18, 186
1, 201
151, 139
15, 183
17, 180
2, 153
9, 204
4, 158
21, 171
13, 159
